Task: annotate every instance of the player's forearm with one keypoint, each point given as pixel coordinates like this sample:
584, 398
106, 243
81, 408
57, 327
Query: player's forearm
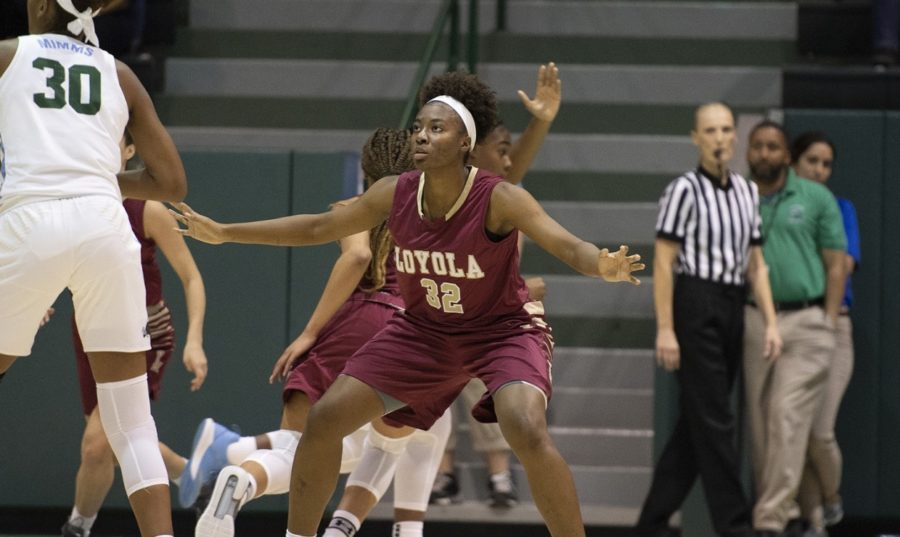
147, 185
195, 297
584, 258
762, 292
834, 290
343, 280
663, 286
294, 230
526, 148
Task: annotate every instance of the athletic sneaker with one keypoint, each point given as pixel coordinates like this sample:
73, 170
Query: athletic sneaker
445, 490
503, 490
832, 513
209, 454
231, 492
71, 530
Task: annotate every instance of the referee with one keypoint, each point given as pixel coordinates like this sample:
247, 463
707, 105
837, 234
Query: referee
708, 235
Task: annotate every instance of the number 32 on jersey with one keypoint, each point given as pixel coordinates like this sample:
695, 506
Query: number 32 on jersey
445, 298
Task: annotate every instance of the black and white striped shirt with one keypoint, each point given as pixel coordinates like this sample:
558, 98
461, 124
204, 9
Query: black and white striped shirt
715, 225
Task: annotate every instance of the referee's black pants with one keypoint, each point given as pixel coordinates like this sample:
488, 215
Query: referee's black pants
709, 325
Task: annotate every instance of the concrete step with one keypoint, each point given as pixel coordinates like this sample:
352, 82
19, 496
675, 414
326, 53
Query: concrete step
610, 516
581, 296
606, 333
608, 224
618, 486
587, 367
536, 261
581, 446
685, 85
596, 153
500, 47
551, 185
602, 408
371, 113
606, 486
772, 20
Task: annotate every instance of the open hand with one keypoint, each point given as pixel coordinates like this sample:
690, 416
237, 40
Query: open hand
196, 225
618, 266
195, 362
285, 362
547, 95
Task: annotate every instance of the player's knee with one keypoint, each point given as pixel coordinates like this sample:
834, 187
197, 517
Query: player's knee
325, 422
524, 431
821, 443
95, 449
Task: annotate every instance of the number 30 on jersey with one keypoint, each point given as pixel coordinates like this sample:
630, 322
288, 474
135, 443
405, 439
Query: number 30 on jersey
62, 89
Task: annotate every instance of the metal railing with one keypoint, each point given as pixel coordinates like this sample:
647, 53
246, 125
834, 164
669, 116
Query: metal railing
449, 14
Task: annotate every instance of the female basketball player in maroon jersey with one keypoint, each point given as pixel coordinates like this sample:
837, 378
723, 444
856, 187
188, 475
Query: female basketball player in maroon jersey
467, 312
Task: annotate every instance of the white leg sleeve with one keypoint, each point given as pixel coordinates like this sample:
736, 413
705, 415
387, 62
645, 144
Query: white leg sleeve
353, 448
277, 462
125, 414
376, 469
418, 466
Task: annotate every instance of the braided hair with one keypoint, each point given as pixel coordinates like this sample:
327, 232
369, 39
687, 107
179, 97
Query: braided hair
386, 153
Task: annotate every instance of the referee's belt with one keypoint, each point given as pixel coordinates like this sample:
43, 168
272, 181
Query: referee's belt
797, 304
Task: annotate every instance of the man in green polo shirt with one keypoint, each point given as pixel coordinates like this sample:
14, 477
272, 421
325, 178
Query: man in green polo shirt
804, 245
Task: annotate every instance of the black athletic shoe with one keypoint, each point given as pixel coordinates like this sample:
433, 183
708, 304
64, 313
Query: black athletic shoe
71, 530
503, 491
203, 499
445, 490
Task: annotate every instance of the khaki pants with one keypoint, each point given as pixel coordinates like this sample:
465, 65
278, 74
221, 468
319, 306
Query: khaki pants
822, 474
783, 399
486, 437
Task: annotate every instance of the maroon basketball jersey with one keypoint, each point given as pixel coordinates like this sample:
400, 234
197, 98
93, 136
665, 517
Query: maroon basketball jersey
152, 277
389, 293
451, 273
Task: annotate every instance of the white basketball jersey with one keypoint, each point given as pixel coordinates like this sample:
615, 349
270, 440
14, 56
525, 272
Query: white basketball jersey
62, 114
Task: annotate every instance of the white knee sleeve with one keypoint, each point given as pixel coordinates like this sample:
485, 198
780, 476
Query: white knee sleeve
352, 449
277, 462
418, 465
379, 461
125, 414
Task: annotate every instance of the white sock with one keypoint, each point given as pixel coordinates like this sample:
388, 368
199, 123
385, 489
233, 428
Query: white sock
238, 451
343, 524
288, 533
284, 439
83, 522
408, 528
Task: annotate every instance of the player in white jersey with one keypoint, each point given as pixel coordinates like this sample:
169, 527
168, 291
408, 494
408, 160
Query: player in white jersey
64, 106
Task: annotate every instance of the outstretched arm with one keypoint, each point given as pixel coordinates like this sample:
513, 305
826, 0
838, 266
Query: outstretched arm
514, 208
543, 109
160, 226
345, 276
371, 209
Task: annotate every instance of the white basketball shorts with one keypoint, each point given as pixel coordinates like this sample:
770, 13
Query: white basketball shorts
87, 245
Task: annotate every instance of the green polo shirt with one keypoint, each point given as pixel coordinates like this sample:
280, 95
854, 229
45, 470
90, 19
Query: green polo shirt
798, 222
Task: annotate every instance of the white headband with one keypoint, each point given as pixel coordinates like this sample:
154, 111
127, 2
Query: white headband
83, 23
463, 114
